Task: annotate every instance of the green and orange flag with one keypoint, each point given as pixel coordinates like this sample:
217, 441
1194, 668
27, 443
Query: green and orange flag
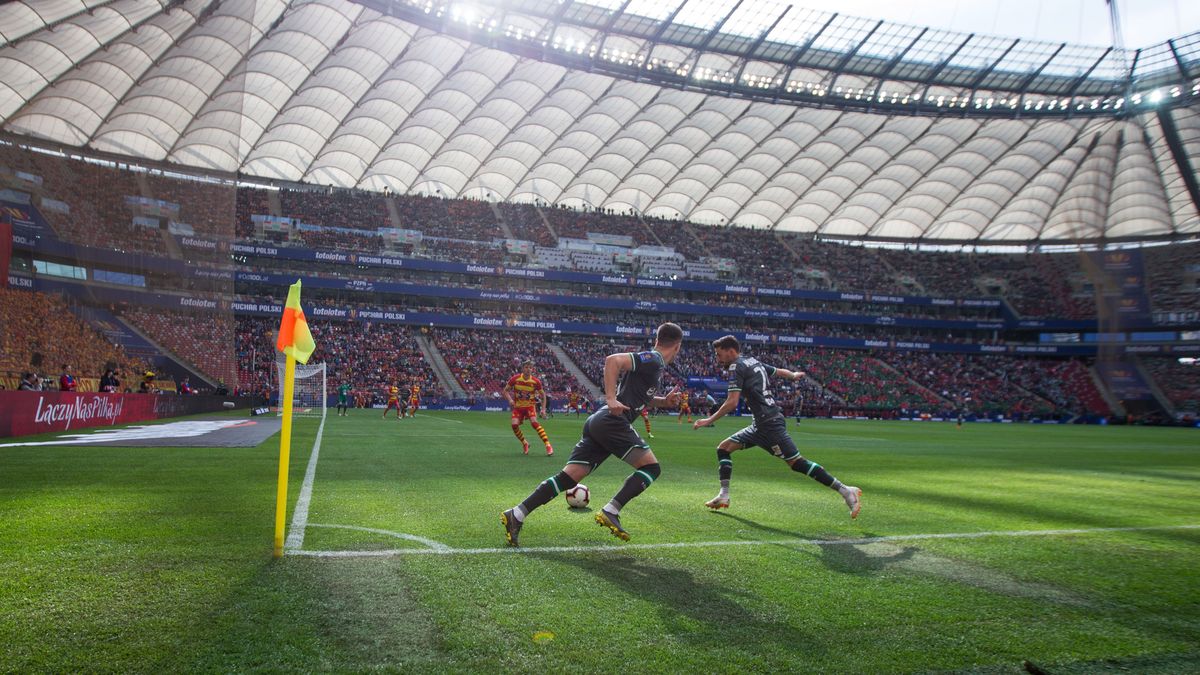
294, 336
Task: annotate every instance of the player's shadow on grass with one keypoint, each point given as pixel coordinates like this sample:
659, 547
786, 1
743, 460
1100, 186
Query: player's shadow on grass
759, 526
852, 559
842, 558
694, 610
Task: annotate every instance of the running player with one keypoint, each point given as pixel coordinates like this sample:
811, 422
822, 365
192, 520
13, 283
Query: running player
393, 401
769, 430
523, 392
684, 408
414, 400
646, 419
343, 392
609, 431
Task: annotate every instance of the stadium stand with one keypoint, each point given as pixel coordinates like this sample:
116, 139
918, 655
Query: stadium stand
370, 356
205, 340
483, 360
1179, 382
39, 333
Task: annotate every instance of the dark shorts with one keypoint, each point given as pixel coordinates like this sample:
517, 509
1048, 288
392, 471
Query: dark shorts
605, 435
772, 436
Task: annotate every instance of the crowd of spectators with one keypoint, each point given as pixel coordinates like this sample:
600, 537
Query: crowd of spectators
526, 223
1038, 285
483, 360
39, 333
369, 356
1173, 273
1179, 382
204, 340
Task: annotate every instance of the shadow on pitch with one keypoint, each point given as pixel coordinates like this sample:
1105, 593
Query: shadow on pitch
759, 526
689, 605
844, 559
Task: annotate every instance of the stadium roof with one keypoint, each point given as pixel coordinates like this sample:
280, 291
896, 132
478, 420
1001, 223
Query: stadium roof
756, 114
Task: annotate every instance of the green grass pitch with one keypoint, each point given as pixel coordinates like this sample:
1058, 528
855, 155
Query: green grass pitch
159, 559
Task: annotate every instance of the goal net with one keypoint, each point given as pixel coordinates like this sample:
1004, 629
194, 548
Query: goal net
309, 393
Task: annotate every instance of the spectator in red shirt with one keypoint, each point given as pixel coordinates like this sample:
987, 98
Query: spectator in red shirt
66, 381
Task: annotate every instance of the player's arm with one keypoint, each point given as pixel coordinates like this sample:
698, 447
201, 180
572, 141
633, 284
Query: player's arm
730, 404
509, 391
545, 402
789, 374
669, 401
614, 365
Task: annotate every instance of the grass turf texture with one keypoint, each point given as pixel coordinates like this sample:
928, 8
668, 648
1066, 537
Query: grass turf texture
159, 559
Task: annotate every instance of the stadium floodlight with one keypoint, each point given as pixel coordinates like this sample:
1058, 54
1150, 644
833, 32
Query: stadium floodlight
1155, 96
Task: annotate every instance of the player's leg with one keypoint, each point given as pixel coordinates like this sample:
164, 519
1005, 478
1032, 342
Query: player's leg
781, 445
646, 419
746, 438
541, 432
586, 456
515, 421
622, 441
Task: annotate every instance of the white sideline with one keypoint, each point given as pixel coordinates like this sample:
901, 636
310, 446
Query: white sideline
436, 548
295, 538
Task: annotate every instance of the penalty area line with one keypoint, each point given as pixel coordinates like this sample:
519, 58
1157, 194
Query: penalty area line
295, 538
606, 548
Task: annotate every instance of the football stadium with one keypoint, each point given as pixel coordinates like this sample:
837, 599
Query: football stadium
599, 336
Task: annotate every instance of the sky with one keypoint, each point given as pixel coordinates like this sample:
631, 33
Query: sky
1143, 22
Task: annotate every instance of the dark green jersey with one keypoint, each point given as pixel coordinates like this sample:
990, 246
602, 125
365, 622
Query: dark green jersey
749, 376
343, 391
636, 387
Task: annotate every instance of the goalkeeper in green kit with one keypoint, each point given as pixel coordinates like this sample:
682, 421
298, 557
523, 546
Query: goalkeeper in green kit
343, 404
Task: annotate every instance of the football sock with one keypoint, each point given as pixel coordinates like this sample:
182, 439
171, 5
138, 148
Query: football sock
541, 433
724, 471
545, 491
635, 485
814, 471
517, 432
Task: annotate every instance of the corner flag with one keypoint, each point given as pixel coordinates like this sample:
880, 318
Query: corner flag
296, 341
294, 336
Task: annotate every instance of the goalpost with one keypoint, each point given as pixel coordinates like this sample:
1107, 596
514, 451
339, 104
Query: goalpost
310, 396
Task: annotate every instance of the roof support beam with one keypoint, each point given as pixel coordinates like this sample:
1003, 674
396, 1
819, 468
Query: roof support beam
1180, 155
896, 60
795, 62
928, 81
1033, 76
1088, 73
758, 42
837, 70
1178, 63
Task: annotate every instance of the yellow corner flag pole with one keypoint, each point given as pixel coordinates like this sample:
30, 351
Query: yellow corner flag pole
285, 451
296, 341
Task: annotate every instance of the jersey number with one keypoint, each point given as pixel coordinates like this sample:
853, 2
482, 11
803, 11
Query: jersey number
767, 398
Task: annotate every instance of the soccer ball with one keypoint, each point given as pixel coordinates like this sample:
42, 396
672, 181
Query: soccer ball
577, 497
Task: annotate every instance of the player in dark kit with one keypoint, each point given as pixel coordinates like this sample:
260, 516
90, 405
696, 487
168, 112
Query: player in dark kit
609, 431
748, 377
